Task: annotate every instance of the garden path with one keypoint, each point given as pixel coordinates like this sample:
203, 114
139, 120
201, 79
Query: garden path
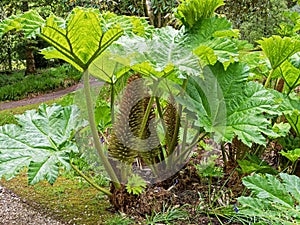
46, 97
14, 210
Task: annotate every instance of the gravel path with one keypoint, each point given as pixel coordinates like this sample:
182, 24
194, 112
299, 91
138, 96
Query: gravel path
13, 210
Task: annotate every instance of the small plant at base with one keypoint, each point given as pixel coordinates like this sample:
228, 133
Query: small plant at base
208, 168
166, 216
293, 156
119, 220
135, 185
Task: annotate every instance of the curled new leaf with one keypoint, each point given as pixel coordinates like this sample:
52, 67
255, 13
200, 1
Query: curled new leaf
192, 11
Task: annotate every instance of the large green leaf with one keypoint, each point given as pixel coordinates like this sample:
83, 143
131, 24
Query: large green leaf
279, 49
30, 23
273, 201
245, 116
42, 142
161, 55
228, 105
207, 29
80, 38
260, 211
292, 184
212, 41
269, 188
221, 49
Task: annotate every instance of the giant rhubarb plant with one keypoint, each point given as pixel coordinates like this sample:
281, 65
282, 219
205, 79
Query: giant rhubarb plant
79, 39
283, 55
201, 58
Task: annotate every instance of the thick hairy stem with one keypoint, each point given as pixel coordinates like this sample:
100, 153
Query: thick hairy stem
91, 182
112, 102
269, 78
177, 126
160, 113
90, 109
148, 110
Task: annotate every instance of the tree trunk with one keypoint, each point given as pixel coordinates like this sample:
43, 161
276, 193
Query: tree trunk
30, 62
9, 58
149, 11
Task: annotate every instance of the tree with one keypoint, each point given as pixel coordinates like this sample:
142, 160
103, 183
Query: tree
15, 46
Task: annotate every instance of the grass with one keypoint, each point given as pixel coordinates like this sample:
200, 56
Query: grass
16, 86
68, 200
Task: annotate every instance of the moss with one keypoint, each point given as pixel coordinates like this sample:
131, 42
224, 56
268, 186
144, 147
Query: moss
68, 200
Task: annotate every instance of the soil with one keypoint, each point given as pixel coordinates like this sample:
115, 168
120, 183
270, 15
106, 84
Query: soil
185, 190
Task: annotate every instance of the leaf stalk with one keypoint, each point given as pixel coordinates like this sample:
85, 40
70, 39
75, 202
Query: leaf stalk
94, 131
90, 181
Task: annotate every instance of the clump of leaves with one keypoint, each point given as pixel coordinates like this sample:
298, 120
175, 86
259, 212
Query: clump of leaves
207, 168
292, 155
135, 185
274, 200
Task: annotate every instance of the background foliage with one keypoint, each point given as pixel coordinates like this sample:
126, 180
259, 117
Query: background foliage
256, 19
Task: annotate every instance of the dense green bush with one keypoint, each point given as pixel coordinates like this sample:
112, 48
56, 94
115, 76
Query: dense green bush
255, 19
17, 86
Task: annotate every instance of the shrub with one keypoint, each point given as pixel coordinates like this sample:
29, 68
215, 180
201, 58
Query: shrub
255, 19
17, 86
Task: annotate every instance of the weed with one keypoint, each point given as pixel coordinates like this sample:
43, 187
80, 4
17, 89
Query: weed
168, 215
119, 220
